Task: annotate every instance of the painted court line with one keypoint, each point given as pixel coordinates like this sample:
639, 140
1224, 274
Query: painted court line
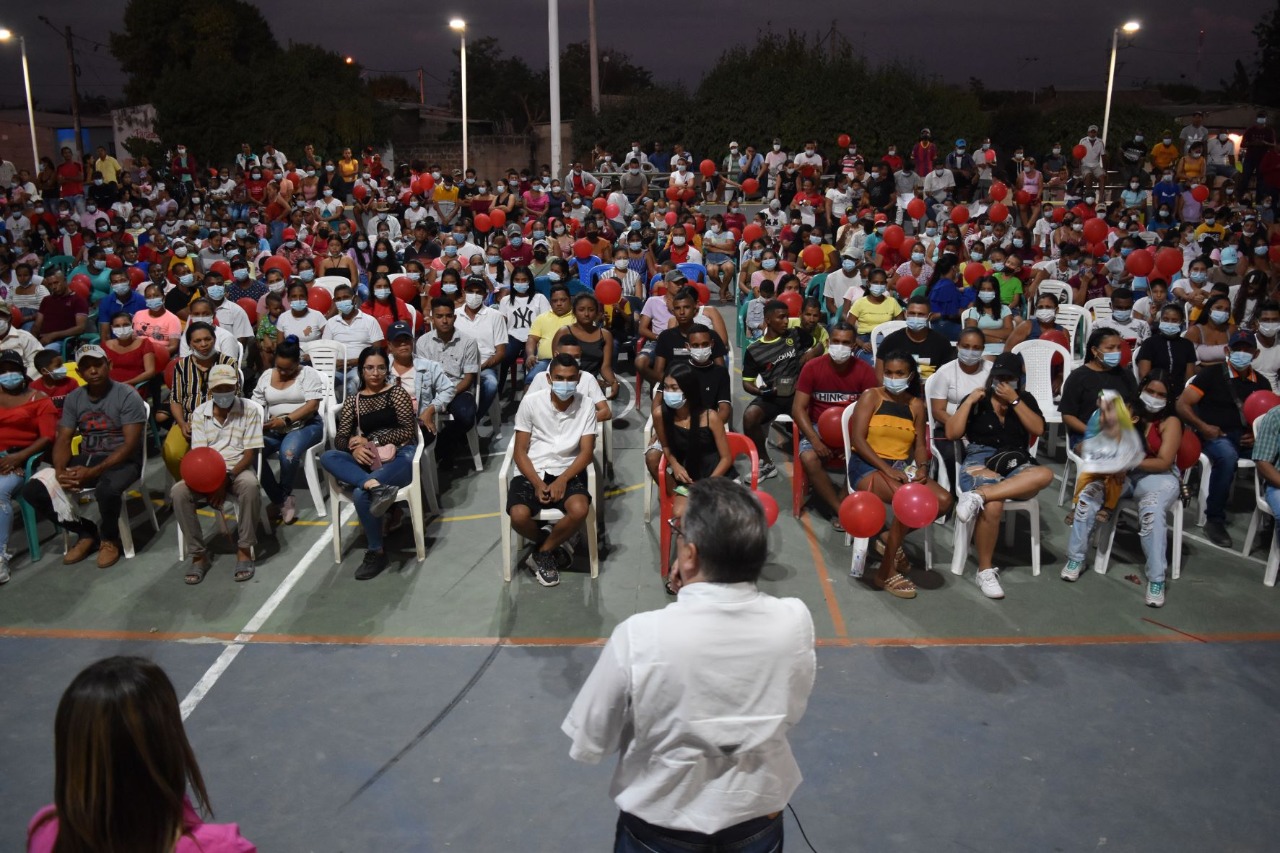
824, 578
229, 654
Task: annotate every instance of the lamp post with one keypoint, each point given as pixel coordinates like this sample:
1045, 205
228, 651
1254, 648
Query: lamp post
553, 75
1129, 28
6, 35
460, 26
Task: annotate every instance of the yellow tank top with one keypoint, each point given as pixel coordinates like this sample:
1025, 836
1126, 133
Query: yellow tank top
892, 431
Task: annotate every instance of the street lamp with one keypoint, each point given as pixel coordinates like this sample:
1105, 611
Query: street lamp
460, 26
1129, 28
6, 35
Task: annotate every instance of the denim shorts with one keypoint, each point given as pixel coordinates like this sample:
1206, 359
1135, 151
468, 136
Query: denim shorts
859, 467
837, 453
977, 456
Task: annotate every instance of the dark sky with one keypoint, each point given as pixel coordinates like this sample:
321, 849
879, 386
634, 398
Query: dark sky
989, 39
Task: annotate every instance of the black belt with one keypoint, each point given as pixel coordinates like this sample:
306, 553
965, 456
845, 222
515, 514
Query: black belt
729, 835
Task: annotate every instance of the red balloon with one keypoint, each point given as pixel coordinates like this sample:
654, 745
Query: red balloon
1139, 263
582, 249
767, 502
1056, 336
670, 217
1098, 250
673, 193
1022, 197
203, 470
277, 262
688, 230
862, 515
114, 262
608, 291
1168, 260
405, 288
794, 302
1259, 403
906, 284
704, 293
843, 140
1189, 450
483, 223
320, 299
915, 505
250, 306
991, 156
612, 211
1200, 192
998, 212
425, 184
974, 271
752, 233
916, 208
599, 202
1274, 254
787, 266
1095, 231
750, 186
360, 191
81, 284
960, 214
1079, 151
161, 351
222, 268
1083, 212
998, 191
829, 429
813, 257
894, 235
1059, 214
737, 235
707, 168
136, 275
497, 217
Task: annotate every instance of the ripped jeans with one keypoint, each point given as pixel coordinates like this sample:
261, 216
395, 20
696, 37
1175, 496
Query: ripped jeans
290, 447
1155, 494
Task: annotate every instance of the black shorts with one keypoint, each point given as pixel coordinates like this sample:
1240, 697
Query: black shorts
521, 493
772, 406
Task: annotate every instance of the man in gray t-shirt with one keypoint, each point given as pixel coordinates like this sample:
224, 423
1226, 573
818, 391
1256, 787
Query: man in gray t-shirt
110, 418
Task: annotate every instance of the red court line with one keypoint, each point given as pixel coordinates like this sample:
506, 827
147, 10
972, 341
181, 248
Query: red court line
81, 634
824, 578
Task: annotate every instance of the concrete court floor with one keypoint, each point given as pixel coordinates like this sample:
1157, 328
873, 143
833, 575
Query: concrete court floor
1064, 717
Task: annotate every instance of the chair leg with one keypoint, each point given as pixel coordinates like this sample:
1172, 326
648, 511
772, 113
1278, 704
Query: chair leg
126, 532
419, 527
504, 525
312, 471
1254, 521
593, 544
29, 526
1273, 563
960, 546
648, 498
1177, 539
429, 479
1034, 514
664, 540
335, 520
473, 442
1206, 470
1106, 539
1066, 472
928, 548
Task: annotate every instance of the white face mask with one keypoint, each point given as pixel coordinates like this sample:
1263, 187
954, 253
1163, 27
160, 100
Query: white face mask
1269, 329
840, 353
475, 300
1046, 315
700, 355
1152, 402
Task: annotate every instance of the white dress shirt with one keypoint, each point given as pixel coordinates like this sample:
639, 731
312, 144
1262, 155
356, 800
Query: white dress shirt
698, 698
488, 329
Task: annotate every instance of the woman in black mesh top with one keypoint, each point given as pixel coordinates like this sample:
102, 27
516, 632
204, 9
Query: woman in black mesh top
373, 451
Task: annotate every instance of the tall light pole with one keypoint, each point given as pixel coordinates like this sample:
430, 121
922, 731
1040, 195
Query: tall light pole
460, 26
1129, 29
595, 56
553, 74
6, 35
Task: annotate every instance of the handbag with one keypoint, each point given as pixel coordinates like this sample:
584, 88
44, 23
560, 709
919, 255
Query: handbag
1006, 461
382, 453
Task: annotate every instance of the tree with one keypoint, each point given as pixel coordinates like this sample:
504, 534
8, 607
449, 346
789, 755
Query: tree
501, 89
1240, 88
618, 76
1266, 79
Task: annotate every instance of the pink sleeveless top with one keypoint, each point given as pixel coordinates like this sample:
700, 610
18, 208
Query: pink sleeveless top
201, 837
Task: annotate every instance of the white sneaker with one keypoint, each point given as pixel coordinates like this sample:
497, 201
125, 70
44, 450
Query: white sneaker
4, 570
1071, 571
1155, 594
969, 505
989, 583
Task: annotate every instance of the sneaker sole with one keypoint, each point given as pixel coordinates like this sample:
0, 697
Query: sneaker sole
768, 475
1151, 603
538, 577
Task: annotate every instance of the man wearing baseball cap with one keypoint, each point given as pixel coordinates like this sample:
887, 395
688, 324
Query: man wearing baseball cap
109, 417
226, 424
1212, 404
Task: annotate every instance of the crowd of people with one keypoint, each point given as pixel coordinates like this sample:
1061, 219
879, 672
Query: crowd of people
179, 305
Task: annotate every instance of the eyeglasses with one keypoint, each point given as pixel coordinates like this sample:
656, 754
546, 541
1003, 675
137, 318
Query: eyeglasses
374, 368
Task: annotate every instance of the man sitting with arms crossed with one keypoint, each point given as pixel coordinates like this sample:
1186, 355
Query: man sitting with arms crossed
770, 369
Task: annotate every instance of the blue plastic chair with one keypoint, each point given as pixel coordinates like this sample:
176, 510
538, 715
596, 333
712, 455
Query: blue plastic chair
576, 266
65, 263
28, 513
594, 274
694, 272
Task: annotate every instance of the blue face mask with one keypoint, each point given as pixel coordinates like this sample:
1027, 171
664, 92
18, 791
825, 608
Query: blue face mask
155, 303
877, 289
1239, 359
848, 265
451, 251
915, 324
1199, 276
240, 274
1111, 359
217, 292
307, 275
516, 241
1219, 317
564, 390
298, 305
917, 257
769, 263
553, 276
345, 306
538, 235
896, 386
11, 381
987, 295
1171, 329
521, 286
673, 399
449, 288
58, 374
459, 238
1122, 316
1017, 242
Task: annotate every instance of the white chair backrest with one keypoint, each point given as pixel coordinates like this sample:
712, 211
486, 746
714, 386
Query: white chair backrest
329, 282
1099, 309
324, 357
845, 417
884, 330
1037, 360
930, 392
1073, 318
1060, 289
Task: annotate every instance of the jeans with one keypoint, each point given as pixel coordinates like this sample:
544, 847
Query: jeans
290, 448
108, 489
463, 410
1155, 494
532, 370
1223, 455
948, 328
1272, 497
9, 483
1249, 171
759, 835
345, 469
488, 379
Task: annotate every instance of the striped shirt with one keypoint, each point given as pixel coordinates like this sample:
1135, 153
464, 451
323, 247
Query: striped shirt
242, 430
191, 382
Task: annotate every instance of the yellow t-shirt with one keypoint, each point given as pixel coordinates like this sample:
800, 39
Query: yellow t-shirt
544, 328
110, 168
819, 333
446, 194
869, 314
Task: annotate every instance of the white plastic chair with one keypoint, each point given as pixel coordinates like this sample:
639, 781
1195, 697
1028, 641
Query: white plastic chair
329, 282
930, 392
1059, 289
411, 493
1037, 362
1098, 309
311, 459
473, 436
1206, 471
964, 532
649, 436
140, 486
1262, 510
507, 532
1076, 321
884, 330
324, 357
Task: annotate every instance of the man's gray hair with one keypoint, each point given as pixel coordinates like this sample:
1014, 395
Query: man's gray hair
726, 521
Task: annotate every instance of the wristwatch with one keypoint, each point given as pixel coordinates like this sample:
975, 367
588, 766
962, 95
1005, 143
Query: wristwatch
287, 420
1014, 402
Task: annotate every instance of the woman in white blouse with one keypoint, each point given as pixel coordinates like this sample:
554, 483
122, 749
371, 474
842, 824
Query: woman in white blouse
519, 307
291, 395
299, 319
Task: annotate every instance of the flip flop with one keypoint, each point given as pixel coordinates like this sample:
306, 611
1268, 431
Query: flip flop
195, 574
244, 571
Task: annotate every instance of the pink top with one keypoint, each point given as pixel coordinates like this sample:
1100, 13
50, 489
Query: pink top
200, 837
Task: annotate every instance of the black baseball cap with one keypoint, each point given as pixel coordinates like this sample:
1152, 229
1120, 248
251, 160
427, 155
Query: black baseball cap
399, 329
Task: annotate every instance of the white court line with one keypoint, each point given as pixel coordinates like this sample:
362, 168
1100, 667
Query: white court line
211, 676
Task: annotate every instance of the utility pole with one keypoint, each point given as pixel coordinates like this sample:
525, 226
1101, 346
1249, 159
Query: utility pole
75, 96
422, 88
595, 59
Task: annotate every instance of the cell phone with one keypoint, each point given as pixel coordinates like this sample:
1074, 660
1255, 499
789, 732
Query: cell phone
682, 490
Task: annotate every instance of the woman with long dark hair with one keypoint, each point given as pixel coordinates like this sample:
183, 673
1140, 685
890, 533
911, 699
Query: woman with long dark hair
290, 395
947, 299
990, 316
123, 766
1211, 330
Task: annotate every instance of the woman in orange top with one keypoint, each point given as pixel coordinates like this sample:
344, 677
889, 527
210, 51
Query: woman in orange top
133, 361
28, 420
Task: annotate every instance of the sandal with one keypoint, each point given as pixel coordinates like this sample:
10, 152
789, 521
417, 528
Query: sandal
900, 561
837, 526
199, 568
897, 586
244, 571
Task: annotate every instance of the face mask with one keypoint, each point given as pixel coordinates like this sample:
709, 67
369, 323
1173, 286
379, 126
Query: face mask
1152, 402
1111, 359
475, 300
1045, 315
521, 286
777, 147
635, 247
1171, 330
298, 305
1122, 316
307, 275
185, 280
121, 291
553, 276
155, 303
679, 241
99, 265
11, 381
840, 353
896, 386
217, 292
975, 256
700, 355
769, 263
345, 306
986, 295
565, 390
58, 374
877, 289
517, 241
848, 265
673, 399
382, 293
224, 401
1219, 317
1240, 359
997, 266
815, 239
4, 327
1209, 220
449, 288
915, 324
181, 251
122, 333
1269, 329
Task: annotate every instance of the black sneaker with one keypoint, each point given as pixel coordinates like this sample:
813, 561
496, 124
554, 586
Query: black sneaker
1218, 534
544, 568
373, 565
381, 498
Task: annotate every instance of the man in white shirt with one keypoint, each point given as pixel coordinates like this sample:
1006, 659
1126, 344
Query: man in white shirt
774, 161
1221, 152
1133, 329
938, 187
841, 284
201, 311
230, 315
485, 325
352, 327
554, 443
809, 158
699, 697
1091, 166
1267, 361
382, 218
588, 385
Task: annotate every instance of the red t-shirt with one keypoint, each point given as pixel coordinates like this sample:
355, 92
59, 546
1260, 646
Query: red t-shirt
75, 186
828, 388
60, 311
